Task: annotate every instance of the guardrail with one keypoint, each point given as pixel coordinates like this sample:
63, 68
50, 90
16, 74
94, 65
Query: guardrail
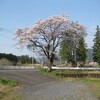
31, 67
16, 67
75, 68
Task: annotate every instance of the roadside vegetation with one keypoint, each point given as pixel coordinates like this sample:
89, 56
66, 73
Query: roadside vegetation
7, 89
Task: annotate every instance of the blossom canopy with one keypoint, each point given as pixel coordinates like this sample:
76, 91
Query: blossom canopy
46, 34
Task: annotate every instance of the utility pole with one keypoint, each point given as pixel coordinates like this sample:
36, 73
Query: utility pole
75, 56
74, 49
32, 56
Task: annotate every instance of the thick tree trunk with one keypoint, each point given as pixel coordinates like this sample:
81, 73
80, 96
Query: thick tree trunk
50, 64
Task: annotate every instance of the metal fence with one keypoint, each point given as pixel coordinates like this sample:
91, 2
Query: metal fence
75, 68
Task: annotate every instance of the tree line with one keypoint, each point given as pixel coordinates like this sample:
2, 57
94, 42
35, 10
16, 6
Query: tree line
10, 59
77, 53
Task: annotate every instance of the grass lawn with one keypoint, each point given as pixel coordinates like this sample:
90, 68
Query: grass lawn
93, 83
7, 87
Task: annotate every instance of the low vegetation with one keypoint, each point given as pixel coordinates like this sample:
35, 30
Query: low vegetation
63, 72
7, 89
7, 81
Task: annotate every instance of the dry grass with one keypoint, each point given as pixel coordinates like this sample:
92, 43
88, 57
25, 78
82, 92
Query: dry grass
4, 61
35, 65
8, 92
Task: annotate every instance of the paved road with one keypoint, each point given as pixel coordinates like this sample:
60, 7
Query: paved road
40, 87
26, 77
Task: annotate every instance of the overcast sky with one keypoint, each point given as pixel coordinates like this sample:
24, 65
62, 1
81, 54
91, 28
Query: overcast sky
24, 13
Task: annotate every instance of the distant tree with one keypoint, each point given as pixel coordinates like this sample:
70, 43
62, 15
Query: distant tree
12, 57
66, 50
96, 47
72, 51
25, 59
81, 51
9, 57
46, 35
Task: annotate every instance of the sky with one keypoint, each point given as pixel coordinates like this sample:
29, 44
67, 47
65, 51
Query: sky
24, 13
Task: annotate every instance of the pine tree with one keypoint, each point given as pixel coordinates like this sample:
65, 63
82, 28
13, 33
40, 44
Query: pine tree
81, 51
96, 47
71, 53
65, 51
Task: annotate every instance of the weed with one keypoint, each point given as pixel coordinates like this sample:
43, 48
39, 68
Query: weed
7, 81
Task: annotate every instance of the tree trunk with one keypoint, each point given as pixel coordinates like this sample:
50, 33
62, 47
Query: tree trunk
50, 63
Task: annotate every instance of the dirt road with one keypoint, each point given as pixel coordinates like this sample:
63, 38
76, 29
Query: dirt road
26, 77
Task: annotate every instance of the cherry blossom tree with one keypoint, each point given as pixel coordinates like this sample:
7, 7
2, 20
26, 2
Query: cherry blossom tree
47, 34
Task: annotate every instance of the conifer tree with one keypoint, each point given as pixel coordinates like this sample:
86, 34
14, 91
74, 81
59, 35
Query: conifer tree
65, 51
81, 51
96, 47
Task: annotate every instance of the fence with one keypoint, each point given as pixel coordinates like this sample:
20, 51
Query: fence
75, 68
16, 67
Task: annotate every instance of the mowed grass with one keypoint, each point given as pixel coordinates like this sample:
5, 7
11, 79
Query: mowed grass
7, 89
93, 83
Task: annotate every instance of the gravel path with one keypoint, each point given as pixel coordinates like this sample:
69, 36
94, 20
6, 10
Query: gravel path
36, 86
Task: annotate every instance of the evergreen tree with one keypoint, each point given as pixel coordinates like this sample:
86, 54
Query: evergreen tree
65, 51
96, 47
69, 52
81, 51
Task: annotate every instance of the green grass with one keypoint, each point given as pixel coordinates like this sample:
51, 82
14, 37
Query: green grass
67, 71
7, 81
54, 73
